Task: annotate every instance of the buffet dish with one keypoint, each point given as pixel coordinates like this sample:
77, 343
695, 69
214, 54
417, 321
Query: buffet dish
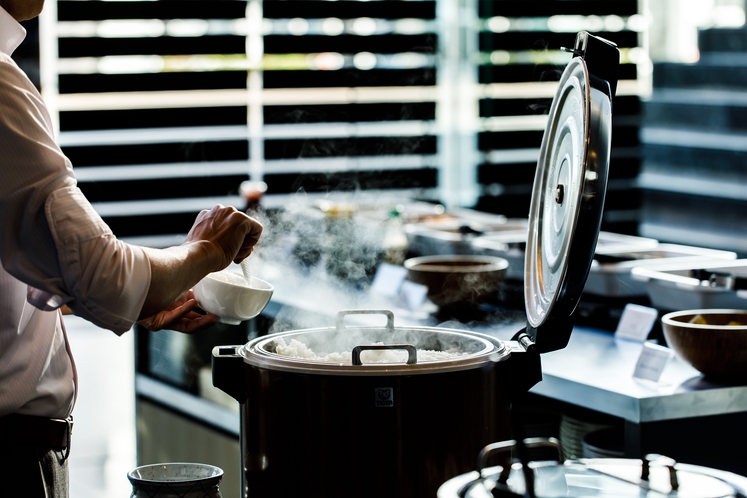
611, 272
714, 341
695, 284
455, 280
511, 245
456, 235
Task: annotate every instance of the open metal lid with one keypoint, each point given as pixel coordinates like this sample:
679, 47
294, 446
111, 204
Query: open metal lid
569, 190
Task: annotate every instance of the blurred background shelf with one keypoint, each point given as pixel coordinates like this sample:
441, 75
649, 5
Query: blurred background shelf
694, 152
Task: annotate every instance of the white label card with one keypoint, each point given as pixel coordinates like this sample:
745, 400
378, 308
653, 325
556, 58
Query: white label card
652, 361
388, 279
412, 295
636, 322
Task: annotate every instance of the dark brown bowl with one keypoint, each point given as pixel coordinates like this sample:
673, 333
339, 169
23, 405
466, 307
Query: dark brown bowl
717, 348
457, 279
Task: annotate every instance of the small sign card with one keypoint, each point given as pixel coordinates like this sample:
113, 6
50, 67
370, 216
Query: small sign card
412, 295
388, 279
636, 322
652, 361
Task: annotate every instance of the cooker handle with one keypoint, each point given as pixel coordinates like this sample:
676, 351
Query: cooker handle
494, 448
507, 446
228, 372
342, 314
412, 353
667, 462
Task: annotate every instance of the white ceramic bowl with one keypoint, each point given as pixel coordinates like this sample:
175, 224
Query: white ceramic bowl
226, 294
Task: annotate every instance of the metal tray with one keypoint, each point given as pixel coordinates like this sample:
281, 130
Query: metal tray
455, 236
511, 245
673, 287
610, 273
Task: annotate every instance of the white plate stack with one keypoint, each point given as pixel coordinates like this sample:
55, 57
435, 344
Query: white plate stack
604, 443
573, 430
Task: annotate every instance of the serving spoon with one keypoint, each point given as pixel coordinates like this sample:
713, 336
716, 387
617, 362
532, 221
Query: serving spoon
247, 271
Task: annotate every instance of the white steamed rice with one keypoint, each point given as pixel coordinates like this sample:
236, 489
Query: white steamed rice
297, 349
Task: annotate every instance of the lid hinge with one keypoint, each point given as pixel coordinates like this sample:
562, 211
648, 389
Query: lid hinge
601, 56
552, 335
525, 368
526, 342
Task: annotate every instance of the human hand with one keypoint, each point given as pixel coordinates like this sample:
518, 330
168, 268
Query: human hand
231, 232
180, 316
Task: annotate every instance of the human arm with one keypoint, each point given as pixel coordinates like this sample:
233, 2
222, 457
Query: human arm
218, 236
52, 239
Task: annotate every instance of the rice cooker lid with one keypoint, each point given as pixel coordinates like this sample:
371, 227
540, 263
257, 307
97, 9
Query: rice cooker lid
603, 477
569, 189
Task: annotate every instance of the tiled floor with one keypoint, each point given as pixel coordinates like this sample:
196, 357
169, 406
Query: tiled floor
103, 445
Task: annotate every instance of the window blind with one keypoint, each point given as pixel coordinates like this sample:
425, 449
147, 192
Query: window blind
165, 107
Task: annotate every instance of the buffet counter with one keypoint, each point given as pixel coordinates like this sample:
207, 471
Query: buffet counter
594, 371
682, 415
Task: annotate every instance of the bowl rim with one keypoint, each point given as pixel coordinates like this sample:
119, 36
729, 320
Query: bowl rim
266, 286
217, 473
481, 264
669, 319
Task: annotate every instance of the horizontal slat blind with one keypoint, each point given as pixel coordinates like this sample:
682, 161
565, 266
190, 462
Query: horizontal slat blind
152, 108
520, 61
383, 138
166, 106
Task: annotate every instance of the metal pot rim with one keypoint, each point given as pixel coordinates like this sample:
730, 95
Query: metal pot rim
472, 263
255, 354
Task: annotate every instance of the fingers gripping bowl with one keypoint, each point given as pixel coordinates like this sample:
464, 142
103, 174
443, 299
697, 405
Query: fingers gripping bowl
227, 295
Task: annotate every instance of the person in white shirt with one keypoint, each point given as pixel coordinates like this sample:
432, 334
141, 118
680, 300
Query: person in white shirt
56, 250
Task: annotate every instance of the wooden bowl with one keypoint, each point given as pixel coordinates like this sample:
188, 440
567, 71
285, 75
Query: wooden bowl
457, 279
716, 348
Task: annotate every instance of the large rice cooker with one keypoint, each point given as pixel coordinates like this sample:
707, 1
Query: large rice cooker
336, 421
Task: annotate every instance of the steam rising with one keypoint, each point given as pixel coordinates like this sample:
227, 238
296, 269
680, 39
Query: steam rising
306, 239
321, 257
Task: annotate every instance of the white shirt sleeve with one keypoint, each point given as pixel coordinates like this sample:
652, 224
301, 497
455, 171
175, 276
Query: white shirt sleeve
51, 238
